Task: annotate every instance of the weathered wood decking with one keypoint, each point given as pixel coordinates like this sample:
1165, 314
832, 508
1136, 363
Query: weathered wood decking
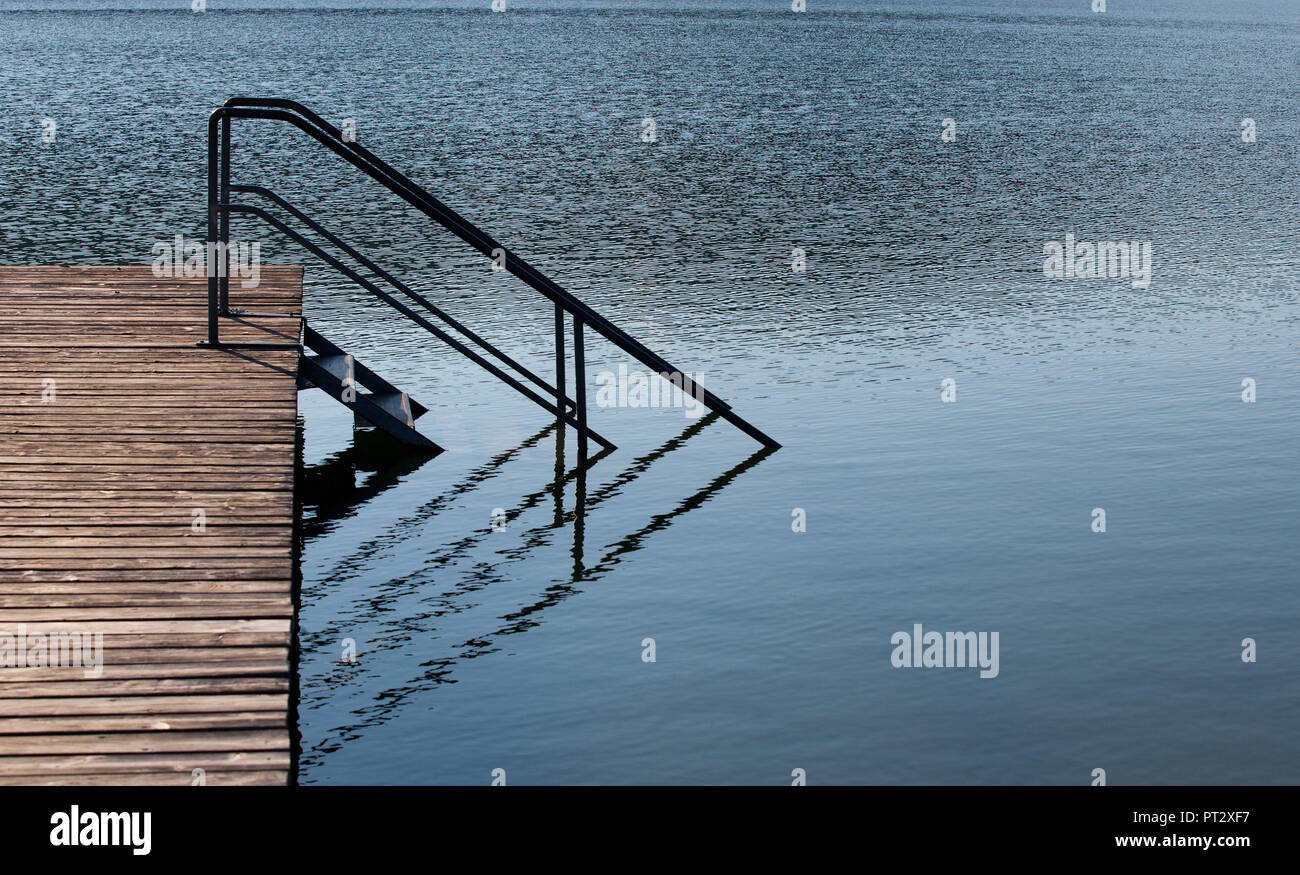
102, 475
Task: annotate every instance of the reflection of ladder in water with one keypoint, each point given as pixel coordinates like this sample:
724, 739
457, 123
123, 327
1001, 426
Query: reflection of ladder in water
342, 377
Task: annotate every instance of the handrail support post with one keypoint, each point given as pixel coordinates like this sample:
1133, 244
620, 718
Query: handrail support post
213, 292
559, 357
223, 270
580, 387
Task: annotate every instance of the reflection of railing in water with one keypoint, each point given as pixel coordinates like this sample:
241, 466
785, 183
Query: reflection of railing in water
389, 702
387, 461
627, 544
431, 508
444, 554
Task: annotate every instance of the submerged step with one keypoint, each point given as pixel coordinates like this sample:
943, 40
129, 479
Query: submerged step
398, 404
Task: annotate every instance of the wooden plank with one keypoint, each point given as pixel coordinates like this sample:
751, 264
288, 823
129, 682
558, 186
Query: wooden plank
126, 763
164, 480
271, 544
132, 519
215, 564
239, 607
191, 686
113, 497
147, 742
116, 573
195, 639
98, 485
277, 703
112, 670
101, 415
139, 626
212, 778
169, 587
172, 655
236, 530
141, 722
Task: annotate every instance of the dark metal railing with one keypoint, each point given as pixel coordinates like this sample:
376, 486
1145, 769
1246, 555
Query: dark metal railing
220, 209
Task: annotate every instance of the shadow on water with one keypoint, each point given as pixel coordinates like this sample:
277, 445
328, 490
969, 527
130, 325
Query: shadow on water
331, 486
394, 630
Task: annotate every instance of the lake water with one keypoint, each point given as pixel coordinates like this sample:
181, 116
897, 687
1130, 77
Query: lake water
522, 649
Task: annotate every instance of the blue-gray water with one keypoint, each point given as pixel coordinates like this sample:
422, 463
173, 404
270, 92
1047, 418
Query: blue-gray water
522, 649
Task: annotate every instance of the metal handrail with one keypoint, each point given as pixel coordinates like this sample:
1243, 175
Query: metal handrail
294, 113
410, 314
424, 302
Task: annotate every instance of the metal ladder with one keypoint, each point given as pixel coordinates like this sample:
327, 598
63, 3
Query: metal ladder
570, 410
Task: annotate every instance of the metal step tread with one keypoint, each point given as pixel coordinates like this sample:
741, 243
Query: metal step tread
389, 409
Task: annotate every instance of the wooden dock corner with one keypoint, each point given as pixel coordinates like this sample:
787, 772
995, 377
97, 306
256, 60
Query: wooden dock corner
147, 519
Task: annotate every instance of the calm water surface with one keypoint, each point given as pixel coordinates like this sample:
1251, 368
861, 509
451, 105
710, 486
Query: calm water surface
521, 649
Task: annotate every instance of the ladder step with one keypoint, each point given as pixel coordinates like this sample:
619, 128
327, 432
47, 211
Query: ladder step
332, 358
389, 411
341, 366
397, 404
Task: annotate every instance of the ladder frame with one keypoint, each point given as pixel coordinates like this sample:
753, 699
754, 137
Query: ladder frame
220, 208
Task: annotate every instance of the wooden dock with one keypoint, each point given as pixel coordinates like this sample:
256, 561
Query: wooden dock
146, 493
